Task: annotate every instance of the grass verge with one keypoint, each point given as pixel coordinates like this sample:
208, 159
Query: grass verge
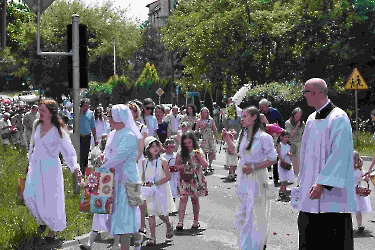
16, 224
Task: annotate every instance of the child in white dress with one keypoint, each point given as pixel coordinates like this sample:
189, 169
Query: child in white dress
285, 176
156, 188
231, 157
170, 157
363, 203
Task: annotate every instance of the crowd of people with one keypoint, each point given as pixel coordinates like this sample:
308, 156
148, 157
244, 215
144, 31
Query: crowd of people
170, 151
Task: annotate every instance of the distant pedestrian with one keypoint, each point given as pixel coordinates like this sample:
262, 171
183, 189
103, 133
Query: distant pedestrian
191, 116
87, 127
174, 120
163, 132
284, 164
148, 118
363, 204
295, 126
28, 121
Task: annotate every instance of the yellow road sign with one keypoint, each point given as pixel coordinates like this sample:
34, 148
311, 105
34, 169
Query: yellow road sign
159, 92
356, 81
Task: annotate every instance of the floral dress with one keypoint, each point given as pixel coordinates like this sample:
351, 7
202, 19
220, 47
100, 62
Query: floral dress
208, 142
190, 120
197, 186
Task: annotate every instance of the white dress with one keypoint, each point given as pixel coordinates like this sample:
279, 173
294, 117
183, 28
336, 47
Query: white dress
44, 188
253, 212
162, 202
175, 176
363, 203
285, 175
102, 127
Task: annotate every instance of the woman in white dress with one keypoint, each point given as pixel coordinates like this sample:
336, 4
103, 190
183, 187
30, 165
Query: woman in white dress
257, 152
101, 125
122, 148
136, 112
44, 187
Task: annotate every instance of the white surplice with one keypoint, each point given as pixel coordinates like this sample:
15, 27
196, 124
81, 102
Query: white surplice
44, 188
326, 158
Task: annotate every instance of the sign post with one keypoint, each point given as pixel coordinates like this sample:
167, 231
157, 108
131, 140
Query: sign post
160, 92
356, 82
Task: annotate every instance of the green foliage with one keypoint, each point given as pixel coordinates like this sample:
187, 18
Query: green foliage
277, 91
365, 144
16, 224
149, 76
105, 23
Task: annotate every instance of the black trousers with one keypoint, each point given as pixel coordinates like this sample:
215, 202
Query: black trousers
85, 141
325, 231
275, 173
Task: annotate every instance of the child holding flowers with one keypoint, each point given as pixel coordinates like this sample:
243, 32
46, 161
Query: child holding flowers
156, 189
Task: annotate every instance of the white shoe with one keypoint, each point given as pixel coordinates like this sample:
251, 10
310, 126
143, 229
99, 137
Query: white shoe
139, 238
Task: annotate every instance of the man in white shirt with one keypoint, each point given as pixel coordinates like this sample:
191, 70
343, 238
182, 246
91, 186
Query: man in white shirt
174, 120
326, 180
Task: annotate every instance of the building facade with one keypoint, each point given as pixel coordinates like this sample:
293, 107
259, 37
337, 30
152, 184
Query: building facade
158, 12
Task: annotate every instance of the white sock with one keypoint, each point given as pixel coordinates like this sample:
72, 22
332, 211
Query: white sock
117, 240
93, 235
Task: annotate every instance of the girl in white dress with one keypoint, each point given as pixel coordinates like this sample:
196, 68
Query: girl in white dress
156, 187
257, 152
363, 203
169, 156
284, 154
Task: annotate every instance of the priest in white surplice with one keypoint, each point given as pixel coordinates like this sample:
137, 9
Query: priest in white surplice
326, 181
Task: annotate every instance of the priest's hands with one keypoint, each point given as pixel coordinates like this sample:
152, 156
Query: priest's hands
316, 191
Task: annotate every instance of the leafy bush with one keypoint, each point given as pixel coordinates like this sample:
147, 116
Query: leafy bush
16, 224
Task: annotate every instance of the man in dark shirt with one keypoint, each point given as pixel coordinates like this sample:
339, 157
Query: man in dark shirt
86, 127
273, 116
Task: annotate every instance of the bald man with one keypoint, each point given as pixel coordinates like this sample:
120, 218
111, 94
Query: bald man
326, 180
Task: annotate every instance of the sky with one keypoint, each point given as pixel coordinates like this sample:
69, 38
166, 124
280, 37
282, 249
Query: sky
137, 7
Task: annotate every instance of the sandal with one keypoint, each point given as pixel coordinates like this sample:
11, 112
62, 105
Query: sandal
144, 231
180, 226
41, 229
169, 233
50, 240
151, 242
195, 225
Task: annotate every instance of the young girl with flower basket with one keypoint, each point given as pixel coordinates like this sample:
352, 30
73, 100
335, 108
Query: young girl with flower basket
363, 202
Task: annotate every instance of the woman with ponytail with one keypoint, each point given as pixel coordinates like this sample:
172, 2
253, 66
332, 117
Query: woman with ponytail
257, 152
44, 187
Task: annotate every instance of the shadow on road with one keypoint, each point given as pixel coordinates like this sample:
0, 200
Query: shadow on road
189, 232
365, 234
38, 243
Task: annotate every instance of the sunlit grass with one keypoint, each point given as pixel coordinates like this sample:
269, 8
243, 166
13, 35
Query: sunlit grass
16, 224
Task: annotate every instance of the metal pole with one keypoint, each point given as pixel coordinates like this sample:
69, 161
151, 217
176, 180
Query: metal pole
356, 114
172, 77
114, 56
76, 90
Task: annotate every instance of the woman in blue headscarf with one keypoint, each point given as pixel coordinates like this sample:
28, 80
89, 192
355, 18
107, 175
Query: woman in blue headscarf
121, 154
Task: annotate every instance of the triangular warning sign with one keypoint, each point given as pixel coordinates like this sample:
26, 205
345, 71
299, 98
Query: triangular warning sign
356, 81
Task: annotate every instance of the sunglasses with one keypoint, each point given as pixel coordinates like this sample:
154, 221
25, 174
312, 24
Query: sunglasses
150, 108
109, 116
307, 91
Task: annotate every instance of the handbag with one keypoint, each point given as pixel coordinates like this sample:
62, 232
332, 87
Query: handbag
285, 165
133, 191
98, 192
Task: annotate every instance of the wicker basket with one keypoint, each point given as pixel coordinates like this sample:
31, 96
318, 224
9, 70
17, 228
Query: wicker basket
372, 178
363, 191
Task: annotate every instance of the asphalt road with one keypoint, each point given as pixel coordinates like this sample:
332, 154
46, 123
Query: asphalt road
217, 219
